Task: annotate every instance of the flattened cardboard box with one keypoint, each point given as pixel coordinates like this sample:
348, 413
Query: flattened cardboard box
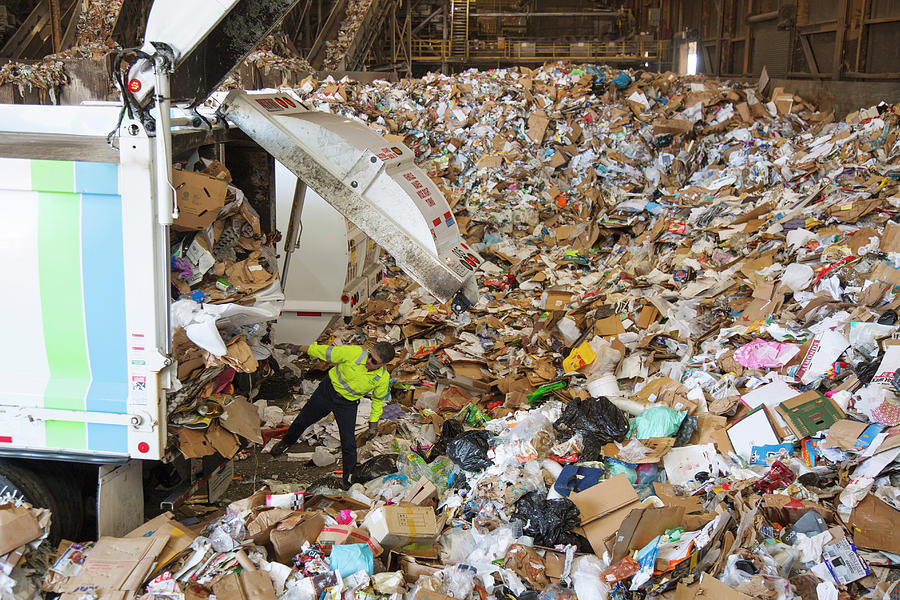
604, 506
873, 525
17, 527
249, 585
119, 563
180, 536
642, 525
809, 413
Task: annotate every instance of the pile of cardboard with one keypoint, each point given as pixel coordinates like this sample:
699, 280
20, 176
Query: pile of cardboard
224, 271
336, 49
22, 529
716, 259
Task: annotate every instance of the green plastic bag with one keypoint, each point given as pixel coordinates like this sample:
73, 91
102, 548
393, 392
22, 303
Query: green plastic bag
657, 421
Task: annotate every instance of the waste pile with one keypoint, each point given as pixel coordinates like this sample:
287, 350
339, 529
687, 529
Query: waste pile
224, 270
23, 563
336, 49
680, 380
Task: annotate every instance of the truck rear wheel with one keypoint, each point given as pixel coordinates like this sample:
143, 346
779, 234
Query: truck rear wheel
41, 487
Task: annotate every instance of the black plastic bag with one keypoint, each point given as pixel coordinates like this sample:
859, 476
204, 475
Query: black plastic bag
469, 450
549, 522
449, 430
686, 431
595, 418
375, 467
323, 485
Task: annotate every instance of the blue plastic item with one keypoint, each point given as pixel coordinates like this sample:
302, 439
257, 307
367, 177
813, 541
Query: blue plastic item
622, 80
574, 478
352, 558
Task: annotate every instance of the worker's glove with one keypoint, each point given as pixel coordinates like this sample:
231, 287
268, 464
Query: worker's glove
294, 348
373, 428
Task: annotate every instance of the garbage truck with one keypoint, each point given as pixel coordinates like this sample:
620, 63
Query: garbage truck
87, 366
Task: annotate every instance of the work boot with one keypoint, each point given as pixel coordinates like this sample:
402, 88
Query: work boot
279, 448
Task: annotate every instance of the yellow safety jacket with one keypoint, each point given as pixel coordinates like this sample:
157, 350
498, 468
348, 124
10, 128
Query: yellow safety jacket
350, 377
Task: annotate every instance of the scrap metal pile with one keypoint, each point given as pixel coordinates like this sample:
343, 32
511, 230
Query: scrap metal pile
680, 380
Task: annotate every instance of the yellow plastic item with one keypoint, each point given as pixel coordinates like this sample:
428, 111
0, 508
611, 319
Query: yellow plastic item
579, 357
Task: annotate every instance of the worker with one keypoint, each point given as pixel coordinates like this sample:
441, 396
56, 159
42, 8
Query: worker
355, 373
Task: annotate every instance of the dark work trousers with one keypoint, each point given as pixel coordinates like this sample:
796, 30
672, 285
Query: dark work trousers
323, 401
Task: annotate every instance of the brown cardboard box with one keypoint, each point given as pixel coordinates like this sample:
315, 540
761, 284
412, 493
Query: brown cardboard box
411, 568
199, 198
785, 510
424, 594
180, 536
603, 507
291, 533
872, 524
558, 299
335, 535
249, 585
422, 493
119, 563
890, 238
17, 527
642, 525
808, 413
395, 526
709, 588
259, 527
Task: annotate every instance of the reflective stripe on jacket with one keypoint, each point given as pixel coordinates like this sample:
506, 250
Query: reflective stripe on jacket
350, 377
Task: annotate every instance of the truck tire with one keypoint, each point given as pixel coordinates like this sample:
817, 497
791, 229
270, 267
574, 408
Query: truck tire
43, 488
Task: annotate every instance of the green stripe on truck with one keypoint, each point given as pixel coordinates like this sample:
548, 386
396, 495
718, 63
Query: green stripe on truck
59, 266
70, 435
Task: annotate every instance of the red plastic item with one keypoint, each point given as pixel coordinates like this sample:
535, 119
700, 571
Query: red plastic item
623, 569
779, 476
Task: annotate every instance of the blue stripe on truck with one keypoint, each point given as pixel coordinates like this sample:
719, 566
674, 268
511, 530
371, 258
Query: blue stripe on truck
103, 276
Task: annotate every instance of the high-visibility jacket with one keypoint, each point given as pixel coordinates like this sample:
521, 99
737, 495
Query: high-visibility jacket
350, 377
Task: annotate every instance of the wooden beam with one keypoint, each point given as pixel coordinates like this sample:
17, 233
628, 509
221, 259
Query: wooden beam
68, 39
839, 40
439, 11
55, 26
708, 66
810, 57
861, 38
30, 27
748, 39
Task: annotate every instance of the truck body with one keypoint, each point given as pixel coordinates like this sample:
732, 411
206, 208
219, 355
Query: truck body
88, 372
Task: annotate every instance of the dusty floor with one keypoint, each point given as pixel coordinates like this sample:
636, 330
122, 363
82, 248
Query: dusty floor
252, 472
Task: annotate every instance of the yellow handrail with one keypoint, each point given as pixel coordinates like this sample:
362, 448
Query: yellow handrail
647, 51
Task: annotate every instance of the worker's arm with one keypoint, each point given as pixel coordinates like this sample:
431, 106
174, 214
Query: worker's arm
380, 395
334, 354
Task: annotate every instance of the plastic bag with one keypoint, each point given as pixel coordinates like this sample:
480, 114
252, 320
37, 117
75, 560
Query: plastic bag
389, 583
686, 431
658, 421
549, 522
459, 581
227, 533
469, 450
348, 559
797, 276
587, 580
377, 466
597, 419
450, 429
760, 354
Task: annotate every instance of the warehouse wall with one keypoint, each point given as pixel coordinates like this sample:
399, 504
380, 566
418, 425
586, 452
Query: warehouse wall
797, 39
